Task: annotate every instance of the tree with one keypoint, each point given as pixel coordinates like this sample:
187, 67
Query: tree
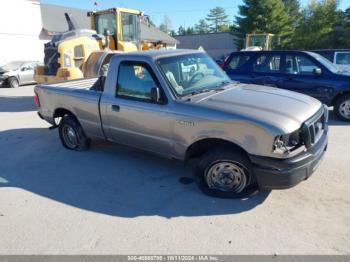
216, 18
293, 11
165, 26
320, 26
292, 7
172, 33
266, 16
190, 31
202, 27
181, 30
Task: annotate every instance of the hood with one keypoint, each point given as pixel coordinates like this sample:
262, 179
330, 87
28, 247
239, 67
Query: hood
281, 109
2, 70
7, 73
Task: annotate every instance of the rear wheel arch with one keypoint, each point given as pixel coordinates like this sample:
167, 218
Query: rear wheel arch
61, 112
200, 147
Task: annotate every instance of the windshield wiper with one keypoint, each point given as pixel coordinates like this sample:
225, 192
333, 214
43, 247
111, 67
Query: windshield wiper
222, 84
207, 90
197, 92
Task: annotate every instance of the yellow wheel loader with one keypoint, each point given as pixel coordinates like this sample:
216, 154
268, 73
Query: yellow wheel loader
258, 42
66, 54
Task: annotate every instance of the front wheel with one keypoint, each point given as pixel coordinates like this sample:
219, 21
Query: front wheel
223, 173
13, 82
342, 108
72, 134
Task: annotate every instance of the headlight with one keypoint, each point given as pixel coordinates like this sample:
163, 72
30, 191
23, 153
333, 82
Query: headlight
284, 144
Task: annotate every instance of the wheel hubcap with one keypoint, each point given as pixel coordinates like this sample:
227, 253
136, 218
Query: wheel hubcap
344, 109
70, 137
227, 176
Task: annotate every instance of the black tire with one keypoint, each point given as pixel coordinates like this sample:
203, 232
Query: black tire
338, 107
13, 82
69, 124
220, 156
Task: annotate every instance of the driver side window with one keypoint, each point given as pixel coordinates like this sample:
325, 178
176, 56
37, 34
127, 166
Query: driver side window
135, 81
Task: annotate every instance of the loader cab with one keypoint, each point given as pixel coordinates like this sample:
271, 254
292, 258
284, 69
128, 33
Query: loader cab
258, 42
120, 26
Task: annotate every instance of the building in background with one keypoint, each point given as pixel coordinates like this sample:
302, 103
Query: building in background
20, 30
27, 24
217, 45
153, 35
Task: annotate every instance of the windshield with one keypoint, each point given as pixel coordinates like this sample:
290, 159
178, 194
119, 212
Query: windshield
192, 73
12, 65
131, 28
324, 61
105, 22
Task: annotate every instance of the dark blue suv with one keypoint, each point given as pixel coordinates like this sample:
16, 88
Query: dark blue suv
304, 72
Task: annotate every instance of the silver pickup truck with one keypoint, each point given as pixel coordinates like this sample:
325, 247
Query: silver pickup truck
181, 105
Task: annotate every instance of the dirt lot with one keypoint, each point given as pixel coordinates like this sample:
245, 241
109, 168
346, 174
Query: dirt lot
116, 200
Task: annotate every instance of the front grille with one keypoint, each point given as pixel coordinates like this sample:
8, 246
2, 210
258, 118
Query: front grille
314, 127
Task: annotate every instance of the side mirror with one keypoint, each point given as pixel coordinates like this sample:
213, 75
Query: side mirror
23, 69
317, 71
155, 94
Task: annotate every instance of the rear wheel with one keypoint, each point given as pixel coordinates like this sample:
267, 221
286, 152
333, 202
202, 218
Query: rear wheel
342, 108
223, 173
72, 134
13, 82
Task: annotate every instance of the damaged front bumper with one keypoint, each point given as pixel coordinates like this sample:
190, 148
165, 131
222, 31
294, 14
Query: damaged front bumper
3, 81
272, 173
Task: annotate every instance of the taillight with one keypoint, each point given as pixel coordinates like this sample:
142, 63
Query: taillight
222, 65
36, 100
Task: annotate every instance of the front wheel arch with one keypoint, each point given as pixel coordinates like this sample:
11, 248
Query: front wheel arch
11, 79
200, 147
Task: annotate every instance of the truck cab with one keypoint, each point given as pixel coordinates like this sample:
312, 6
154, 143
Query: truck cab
179, 104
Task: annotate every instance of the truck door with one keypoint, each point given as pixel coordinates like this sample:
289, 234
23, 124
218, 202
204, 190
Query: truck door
300, 76
132, 117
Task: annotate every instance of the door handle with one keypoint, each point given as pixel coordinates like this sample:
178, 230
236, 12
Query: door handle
115, 108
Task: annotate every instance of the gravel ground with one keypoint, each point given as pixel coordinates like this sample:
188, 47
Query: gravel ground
116, 200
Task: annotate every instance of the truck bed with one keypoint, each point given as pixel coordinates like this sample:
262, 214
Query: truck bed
87, 84
80, 97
